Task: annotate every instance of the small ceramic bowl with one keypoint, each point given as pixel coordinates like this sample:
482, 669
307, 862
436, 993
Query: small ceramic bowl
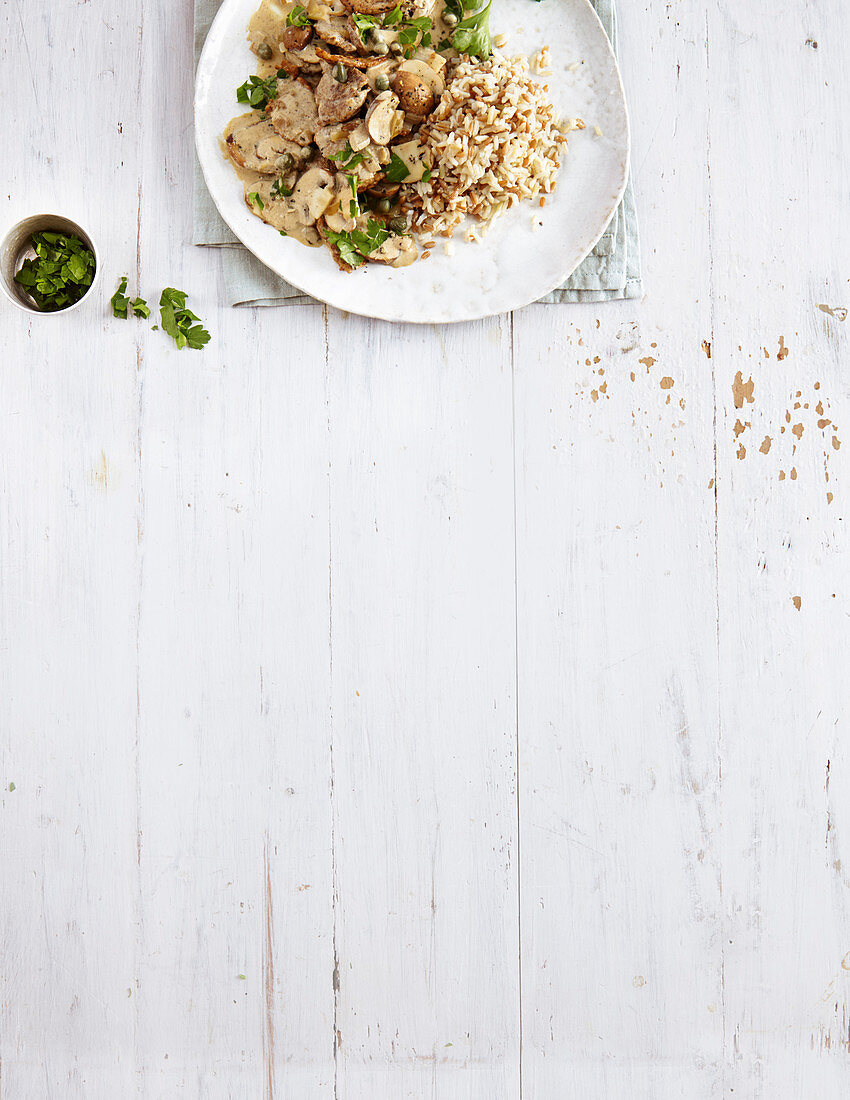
16, 248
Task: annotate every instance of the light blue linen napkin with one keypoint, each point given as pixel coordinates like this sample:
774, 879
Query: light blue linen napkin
612, 270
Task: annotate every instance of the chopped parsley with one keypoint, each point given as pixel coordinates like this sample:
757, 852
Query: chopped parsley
298, 17
119, 301
279, 190
257, 92
60, 273
472, 34
140, 307
347, 158
396, 170
177, 321
413, 28
354, 205
255, 200
356, 246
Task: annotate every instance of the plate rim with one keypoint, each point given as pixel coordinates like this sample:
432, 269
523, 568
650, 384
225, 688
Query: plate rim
456, 319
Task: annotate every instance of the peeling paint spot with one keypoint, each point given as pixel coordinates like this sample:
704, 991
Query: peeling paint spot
706, 347
739, 428
648, 361
797, 601
836, 442
765, 445
793, 473
743, 391
797, 430
638, 981
783, 352
667, 383
742, 451
838, 312
781, 475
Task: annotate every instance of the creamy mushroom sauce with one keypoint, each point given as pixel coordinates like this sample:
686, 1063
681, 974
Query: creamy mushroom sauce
287, 145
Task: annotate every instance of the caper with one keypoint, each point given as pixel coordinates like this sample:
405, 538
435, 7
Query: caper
385, 206
304, 152
398, 225
382, 82
285, 161
450, 19
381, 48
396, 49
340, 72
265, 51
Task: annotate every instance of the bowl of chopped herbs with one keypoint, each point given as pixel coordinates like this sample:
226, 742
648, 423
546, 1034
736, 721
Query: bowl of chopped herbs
48, 264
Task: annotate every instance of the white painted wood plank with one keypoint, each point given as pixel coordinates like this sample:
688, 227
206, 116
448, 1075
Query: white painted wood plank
617, 697
778, 131
68, 581
236, 991
423, 710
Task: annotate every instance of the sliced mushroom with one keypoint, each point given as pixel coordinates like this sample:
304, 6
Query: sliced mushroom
293, 112
384, 190
296, 38
383, 119
415, 96
336, 33
338, 215
359, 138
337, 102
313, 194
426, 73
397, 252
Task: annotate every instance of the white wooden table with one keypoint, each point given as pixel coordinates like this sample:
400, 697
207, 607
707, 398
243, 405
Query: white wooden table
432, 713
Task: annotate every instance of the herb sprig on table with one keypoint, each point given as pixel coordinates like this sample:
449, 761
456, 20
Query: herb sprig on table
60, 273
121, 303
184, 327
179, 322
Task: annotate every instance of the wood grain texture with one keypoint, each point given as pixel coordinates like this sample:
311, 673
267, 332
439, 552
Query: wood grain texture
432, 713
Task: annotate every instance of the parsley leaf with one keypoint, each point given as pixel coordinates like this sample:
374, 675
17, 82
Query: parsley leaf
119, 301
256, 92
140, 307
472, 35
347, 158
255, 200
354, 205
60, 273
396, 170
177, 321
393, 17
356, 246
372, 238
347, 249
363, 23
298, 17
279, 190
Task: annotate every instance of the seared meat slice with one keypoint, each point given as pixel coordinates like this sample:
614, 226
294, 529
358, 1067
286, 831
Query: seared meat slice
370, 7
336, 33
253, 143
337, 102
349, 61
293, 112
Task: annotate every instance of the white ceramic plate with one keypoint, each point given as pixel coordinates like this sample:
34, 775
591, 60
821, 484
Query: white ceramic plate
514, 264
